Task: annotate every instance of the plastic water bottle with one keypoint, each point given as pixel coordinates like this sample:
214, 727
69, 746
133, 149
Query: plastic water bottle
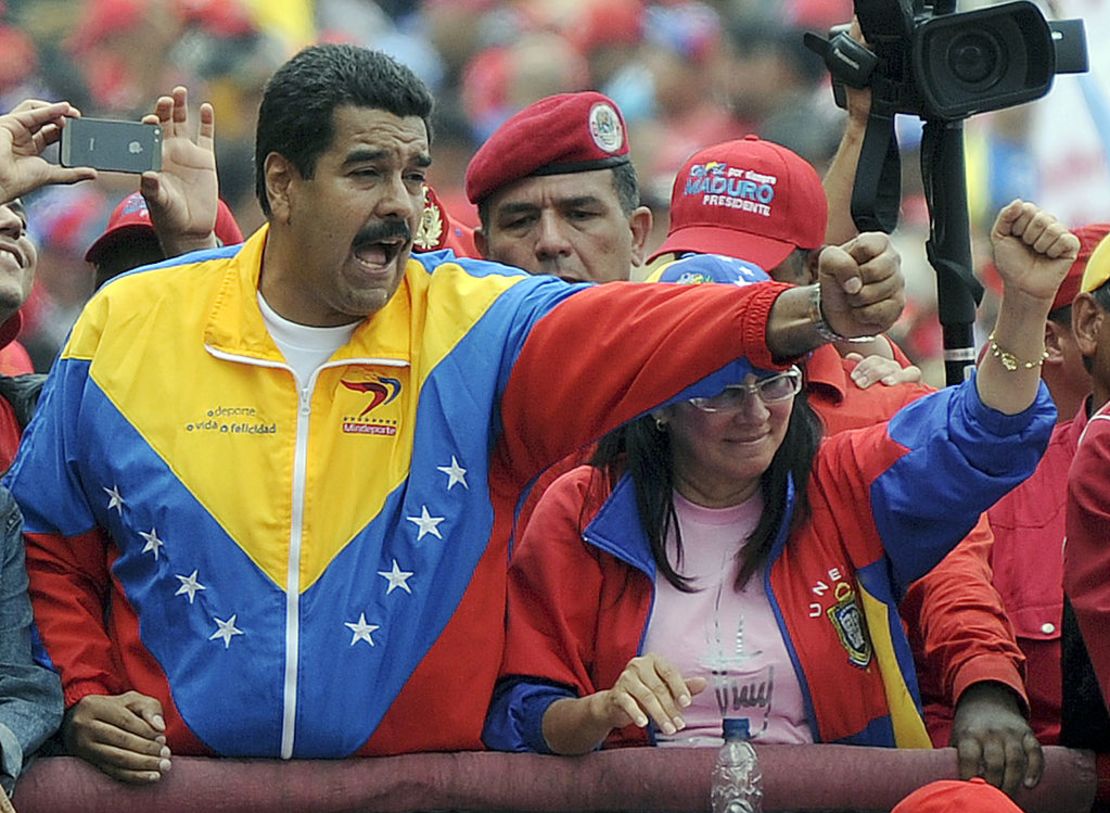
737, 782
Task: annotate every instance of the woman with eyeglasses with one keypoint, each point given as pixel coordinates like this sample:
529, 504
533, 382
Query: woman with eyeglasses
719, 560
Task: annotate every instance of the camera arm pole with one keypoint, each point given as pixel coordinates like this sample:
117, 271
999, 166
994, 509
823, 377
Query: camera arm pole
949, 244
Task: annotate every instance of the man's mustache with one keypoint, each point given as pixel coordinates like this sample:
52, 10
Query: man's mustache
383, 230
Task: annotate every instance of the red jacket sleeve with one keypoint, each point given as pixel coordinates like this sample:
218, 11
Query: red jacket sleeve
1086, 553
69, 586
610, 353
554, 587
956, 622
960, 632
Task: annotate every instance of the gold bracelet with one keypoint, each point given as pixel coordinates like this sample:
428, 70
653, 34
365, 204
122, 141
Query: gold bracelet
1010, 361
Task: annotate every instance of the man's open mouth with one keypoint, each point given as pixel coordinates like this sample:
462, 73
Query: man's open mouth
379, 253
14, 252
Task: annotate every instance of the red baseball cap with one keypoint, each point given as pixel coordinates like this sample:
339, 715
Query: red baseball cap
1089, 237
558, 135
750, 199
946, 795
131, 217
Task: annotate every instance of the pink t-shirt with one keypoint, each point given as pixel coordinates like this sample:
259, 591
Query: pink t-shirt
730, 638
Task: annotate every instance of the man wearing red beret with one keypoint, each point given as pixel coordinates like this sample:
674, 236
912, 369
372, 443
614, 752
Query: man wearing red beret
1084, 643
1028, 523
557, 194
1085, 653
1068, 380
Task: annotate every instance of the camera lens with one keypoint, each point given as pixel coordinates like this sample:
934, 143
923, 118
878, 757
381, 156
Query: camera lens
974, 58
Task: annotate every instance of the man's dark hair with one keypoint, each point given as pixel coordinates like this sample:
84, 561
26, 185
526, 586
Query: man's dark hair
644, 451
1061, 316
1101, 295
297, 115
628, 187
625, 184
124, 253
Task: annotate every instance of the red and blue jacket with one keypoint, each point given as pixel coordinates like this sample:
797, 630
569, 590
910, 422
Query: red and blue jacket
887, 503
321, 571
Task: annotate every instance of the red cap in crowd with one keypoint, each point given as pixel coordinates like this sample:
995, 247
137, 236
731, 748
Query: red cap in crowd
948, 795
1089, 237
131, 216
102, 18
561, 134
751, 199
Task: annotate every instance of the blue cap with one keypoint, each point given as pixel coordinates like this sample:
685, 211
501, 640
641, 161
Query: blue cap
697, 268
736, 728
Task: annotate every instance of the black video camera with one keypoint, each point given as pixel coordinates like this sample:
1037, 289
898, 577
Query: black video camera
926, 60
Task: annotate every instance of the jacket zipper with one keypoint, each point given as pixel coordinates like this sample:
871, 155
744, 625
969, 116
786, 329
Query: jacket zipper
296, 529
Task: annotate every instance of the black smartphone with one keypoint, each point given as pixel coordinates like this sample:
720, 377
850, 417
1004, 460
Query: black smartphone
111, 145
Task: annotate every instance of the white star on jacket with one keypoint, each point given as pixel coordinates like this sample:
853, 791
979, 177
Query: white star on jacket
189, 586
426, 523
115, 499
225, 630
396, 578
361, 630
153, 543
455, 474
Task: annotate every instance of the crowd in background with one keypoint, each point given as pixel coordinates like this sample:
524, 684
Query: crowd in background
685, 74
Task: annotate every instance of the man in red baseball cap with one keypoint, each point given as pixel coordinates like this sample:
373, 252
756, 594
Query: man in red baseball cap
557, 193
751, 199
760, 202
129, 240
176, 210
1063, 372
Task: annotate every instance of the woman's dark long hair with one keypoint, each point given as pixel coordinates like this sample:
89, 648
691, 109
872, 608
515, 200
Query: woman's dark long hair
644, 450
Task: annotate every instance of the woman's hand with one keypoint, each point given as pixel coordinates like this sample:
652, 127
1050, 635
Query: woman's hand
649, 688
1032, 250
873, 369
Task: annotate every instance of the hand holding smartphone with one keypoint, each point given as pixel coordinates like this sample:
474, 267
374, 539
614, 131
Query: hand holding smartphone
112, 145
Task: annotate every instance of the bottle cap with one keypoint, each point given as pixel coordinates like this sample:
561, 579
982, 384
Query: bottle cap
736, 728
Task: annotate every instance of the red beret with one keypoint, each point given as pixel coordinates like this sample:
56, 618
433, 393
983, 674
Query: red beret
558, 135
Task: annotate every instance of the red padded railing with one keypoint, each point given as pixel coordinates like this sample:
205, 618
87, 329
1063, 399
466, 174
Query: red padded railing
796, 777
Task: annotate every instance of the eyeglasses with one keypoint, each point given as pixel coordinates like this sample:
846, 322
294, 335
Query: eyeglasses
770, 390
